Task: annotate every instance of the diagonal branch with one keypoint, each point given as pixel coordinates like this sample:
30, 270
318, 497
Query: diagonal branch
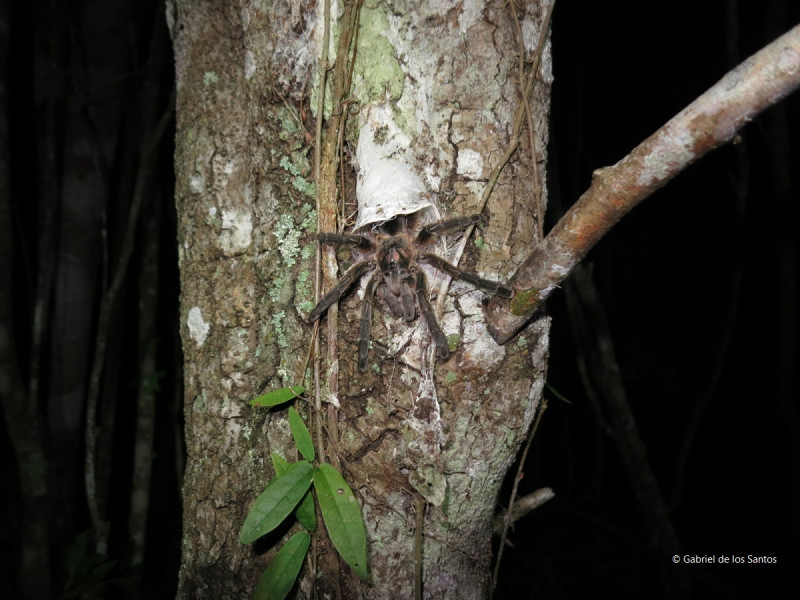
707, 123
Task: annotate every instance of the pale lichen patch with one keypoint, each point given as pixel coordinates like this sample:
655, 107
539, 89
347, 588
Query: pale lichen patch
471, 12
237, 232
303, 289
197, 183
470, 163
198, 328
378, 75
277, 326
300, 183
288, 237
480, 349
470, 301
210, 78
249, 64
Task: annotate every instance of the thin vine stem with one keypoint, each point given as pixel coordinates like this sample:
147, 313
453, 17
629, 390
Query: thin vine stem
519, 119
515, 488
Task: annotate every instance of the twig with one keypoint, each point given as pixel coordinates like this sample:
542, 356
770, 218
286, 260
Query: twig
708, 122
314, 342
522, 506
517, 478
531, 77
325, 166
419, 505
522, 110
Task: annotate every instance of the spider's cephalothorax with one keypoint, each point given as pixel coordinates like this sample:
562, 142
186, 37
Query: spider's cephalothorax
390, 254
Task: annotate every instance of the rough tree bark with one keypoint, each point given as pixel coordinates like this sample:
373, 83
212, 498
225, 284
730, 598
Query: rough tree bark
436, 87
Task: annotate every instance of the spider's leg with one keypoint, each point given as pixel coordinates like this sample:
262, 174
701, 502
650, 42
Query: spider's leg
456, 224
352, 275
391, 301
407, 298
398, 293
366, 322
456, 273
342, 239
442, 348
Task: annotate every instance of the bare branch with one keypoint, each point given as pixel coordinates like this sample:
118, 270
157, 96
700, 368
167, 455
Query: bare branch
523, 506
707, 123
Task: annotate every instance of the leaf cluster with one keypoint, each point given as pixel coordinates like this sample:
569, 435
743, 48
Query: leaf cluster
291, 492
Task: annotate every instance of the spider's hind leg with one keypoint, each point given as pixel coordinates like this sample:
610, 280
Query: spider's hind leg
442, 347
456, 273
366, 321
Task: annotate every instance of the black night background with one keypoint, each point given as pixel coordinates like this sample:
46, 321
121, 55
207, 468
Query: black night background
698, 287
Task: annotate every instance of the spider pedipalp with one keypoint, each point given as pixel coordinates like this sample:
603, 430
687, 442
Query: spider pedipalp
390, 254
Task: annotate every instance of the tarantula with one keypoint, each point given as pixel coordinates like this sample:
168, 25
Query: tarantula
391, 254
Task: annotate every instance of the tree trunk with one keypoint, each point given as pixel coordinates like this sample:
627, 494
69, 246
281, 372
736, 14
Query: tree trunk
437, 89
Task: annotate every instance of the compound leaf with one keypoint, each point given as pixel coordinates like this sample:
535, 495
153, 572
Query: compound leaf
277, 501
342, 516
302, 438
278, 579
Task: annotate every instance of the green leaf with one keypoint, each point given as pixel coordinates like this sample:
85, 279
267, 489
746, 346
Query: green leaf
280, 464
557, 394
278, 579
342, 516
302, 438
276, 397
304, 512
277, 501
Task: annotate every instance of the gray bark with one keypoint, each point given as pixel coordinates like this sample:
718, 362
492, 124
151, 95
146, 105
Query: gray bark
448, 79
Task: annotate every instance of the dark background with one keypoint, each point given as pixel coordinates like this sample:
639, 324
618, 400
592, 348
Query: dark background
698, 285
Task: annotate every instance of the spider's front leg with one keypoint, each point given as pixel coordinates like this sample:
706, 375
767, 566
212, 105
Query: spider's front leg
442, 347
445, 267
352, 275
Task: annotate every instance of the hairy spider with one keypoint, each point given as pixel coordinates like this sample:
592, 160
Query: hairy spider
390, 254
